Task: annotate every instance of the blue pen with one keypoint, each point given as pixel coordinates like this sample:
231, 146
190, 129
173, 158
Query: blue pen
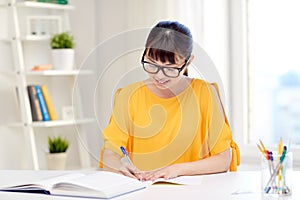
128, 160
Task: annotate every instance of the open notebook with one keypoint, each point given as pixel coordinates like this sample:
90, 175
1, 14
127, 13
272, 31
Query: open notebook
100, 184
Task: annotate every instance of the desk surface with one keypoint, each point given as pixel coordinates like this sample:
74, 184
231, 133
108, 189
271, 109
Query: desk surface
243, 185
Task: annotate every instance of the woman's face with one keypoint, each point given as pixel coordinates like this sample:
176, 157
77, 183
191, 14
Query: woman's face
160, 80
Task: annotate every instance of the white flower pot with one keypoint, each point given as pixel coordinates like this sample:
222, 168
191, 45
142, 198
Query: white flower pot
56, 161
63, 59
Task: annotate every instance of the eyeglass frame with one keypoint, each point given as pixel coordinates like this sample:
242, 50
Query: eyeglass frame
162, 68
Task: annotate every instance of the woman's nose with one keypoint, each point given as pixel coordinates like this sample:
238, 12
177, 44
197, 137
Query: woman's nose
160, 74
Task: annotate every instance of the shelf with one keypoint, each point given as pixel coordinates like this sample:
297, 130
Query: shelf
29, 38
57, 123
44, 5
58, 72
36, 38
50, 72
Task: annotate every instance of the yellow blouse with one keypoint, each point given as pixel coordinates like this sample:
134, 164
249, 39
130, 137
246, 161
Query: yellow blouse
162, 131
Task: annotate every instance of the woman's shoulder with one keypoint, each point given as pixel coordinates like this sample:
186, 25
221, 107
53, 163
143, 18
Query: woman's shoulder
131, 88
199, 84
198, 81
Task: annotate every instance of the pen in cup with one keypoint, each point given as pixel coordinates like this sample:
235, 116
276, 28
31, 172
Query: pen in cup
278, 167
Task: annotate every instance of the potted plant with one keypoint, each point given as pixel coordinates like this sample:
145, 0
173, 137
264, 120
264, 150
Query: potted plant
62, 45
56, 159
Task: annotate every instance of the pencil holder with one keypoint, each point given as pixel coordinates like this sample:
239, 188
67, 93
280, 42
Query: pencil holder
276, 174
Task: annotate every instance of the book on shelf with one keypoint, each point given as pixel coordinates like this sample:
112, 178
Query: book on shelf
42, 67
50, 107
100, 184
44, 109
63, 2
36, 112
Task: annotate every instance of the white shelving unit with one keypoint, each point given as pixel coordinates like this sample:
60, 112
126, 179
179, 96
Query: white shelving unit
29, 49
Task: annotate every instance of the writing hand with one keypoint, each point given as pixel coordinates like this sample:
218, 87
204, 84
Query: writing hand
130, 170
114, 163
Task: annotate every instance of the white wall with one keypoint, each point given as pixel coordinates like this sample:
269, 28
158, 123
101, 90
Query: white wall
96, 23
207, 19
122, 27
83, 21
114, 60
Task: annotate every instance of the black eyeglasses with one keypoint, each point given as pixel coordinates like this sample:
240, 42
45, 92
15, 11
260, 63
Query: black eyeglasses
171, 72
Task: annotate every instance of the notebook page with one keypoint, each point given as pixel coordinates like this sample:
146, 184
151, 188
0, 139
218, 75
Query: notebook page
182, 180
49, 182
101, 181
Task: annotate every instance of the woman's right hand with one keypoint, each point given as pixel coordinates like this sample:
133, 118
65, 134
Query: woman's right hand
114, 163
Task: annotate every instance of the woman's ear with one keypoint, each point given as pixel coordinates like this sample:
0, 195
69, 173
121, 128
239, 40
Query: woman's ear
190, 60
187, 65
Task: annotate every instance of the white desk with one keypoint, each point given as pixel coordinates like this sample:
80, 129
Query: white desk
217, 186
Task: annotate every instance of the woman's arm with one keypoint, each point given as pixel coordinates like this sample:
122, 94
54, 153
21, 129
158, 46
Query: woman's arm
213, 164
112, 162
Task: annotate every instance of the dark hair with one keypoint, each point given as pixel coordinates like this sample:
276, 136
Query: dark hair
167, 40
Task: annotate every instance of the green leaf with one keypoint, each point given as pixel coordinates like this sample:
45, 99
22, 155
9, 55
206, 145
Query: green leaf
57, 144
62, 41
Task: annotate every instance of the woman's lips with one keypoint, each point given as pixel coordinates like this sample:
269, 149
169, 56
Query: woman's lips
161, 82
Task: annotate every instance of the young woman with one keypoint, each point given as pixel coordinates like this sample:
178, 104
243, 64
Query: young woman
171, 125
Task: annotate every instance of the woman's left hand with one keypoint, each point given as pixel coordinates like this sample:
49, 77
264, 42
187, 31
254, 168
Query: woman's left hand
168, 172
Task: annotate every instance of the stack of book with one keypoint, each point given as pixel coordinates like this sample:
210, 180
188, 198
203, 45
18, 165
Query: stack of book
41, 105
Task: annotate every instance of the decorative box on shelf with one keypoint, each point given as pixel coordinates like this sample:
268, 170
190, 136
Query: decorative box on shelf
43, 25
